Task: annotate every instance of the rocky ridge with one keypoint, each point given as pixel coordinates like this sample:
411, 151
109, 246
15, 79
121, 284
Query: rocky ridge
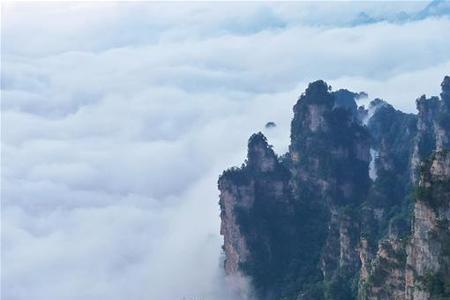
312, 224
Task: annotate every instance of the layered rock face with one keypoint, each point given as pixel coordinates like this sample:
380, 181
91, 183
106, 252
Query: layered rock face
329, 160
399, 273
386, 210
428, 264
433, 126
312, 224
255, 201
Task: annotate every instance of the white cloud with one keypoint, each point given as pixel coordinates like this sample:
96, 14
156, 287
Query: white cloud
118, 118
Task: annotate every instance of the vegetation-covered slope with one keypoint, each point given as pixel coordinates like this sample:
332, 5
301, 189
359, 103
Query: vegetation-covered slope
331, 218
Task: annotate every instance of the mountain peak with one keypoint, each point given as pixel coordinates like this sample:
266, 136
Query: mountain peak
316, 219
317, 92
260, 155
445, 85
257, 139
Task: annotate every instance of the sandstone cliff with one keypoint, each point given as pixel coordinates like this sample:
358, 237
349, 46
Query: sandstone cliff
428, 263
331, 219
417, 258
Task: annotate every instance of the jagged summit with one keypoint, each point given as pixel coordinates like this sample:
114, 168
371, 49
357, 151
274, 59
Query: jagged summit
257, 139
319, 98
312, 224
317, 87
427, 103
377, 102
433, 102
434, 123
260, 155
436, 8
346, 99
446, 84
317, 92
445, 94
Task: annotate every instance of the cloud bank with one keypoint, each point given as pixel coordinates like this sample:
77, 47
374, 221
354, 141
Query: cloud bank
117, 119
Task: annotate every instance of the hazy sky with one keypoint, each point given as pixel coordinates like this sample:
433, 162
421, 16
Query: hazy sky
118, 118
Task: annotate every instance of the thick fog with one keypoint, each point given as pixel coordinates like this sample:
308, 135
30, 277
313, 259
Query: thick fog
117, 120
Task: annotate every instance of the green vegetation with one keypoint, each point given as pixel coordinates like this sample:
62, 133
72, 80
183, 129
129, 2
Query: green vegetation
339, 289
433, 192
437, 284
285, 247
320, 190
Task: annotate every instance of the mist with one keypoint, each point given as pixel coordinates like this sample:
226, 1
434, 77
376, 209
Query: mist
118, 118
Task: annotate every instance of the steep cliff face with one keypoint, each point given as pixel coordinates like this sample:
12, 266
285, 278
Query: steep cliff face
330, 159
329, 146
443, 122
306, 202
425, 141
428, 265
387, 212
331, 218
386, 278
389, 275
255, 201
433, 126
392, 134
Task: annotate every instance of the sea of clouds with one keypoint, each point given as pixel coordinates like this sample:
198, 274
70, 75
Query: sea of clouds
117, 119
